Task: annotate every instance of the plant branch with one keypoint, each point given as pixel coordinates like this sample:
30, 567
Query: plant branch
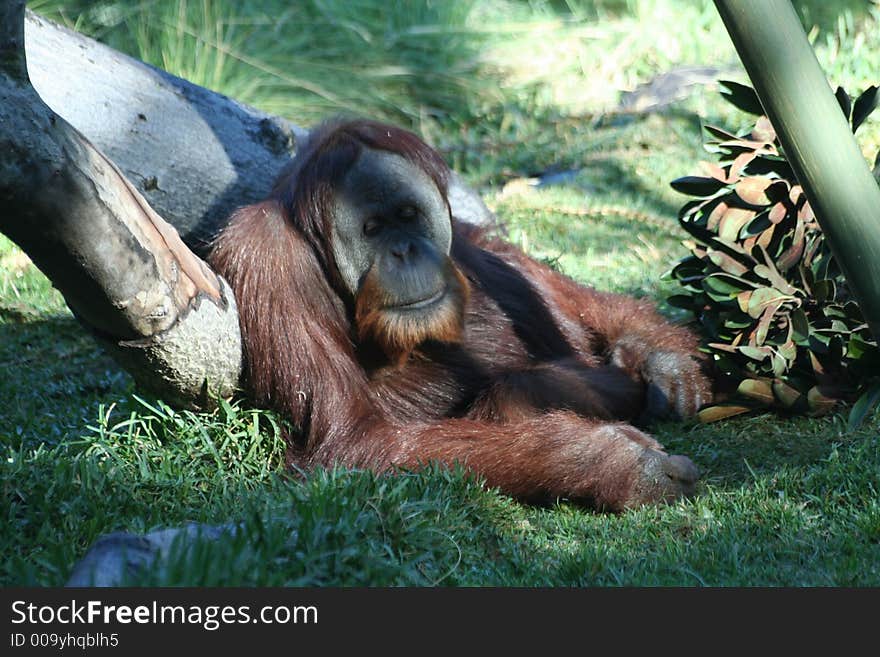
816, 137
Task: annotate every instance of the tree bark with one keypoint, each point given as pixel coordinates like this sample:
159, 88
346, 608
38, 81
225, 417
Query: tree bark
123, 270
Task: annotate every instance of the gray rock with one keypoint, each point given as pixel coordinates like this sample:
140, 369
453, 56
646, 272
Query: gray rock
119, 558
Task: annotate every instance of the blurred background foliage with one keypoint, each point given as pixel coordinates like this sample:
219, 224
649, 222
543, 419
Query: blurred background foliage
447, 63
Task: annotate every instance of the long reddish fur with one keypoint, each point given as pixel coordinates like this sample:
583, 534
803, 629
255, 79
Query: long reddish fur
523, 394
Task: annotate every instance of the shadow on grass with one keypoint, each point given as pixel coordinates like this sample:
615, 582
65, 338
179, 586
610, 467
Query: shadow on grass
783, 502
62, 498
52, 375
732, 453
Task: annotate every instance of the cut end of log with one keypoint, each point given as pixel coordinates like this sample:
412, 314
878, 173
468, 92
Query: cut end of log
193, 363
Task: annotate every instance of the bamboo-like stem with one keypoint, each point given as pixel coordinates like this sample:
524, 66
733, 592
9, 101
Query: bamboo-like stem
816, 137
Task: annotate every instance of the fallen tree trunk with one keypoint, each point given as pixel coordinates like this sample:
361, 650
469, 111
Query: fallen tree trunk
123, 270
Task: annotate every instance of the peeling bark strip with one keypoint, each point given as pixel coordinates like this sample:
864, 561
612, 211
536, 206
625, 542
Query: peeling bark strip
122, 269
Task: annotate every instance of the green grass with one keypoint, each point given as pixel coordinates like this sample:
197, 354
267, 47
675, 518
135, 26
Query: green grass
507, 90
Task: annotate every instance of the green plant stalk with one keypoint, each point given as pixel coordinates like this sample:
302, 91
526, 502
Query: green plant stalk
817, 140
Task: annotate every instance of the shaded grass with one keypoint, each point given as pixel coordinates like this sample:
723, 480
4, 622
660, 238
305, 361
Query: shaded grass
781, 504
783, 501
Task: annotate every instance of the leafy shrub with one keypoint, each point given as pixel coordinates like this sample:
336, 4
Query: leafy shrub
770, 299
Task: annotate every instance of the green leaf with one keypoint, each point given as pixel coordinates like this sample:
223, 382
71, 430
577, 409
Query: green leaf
788, 350
764, 165
755, 353
697, 185
737, 322
853, 311
835, 311
721, 412
864, 105
724, 288
819, 343
844, 101
688, 267
819, 403
779, 364
741, 97
835, 349
824, 290
788, 395
758, 225
763, 297
863, 406
800, 326
720, 133
685, 301
737, 147
693, 210
857, 348
756, 389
